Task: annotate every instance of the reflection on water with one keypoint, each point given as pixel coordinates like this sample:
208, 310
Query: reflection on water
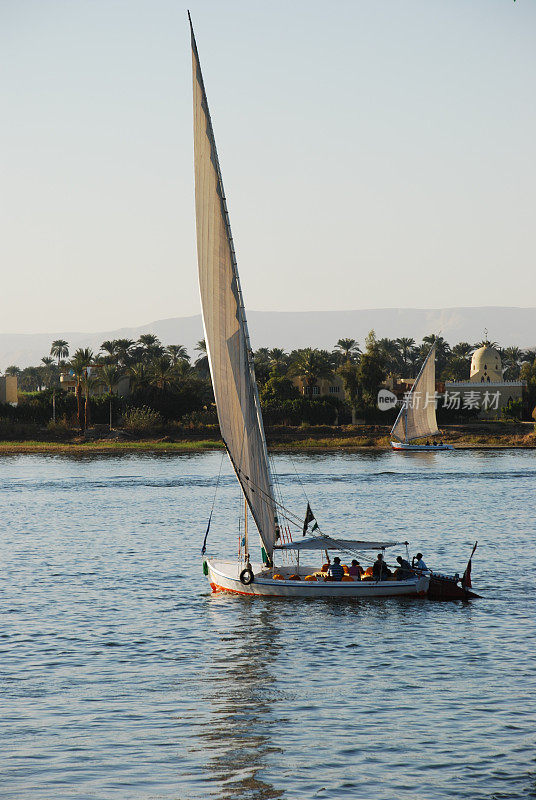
123, 677
239, 684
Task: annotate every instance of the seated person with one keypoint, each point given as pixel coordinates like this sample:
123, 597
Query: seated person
404, 571
355, 570
335, 570
418, 563
380, 570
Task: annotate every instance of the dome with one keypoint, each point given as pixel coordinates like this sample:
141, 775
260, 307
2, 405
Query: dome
486, 365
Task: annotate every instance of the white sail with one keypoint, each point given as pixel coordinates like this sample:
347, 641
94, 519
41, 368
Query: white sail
224, 319
417, 417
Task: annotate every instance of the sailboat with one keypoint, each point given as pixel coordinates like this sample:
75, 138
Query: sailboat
417, 417
239, 413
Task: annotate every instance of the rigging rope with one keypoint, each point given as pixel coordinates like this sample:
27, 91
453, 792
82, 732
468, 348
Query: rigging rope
289, 557
298, 477
204, 548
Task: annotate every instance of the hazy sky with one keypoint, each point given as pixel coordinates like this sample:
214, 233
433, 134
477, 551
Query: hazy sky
374, 154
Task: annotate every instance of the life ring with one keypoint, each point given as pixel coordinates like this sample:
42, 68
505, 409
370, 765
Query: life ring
246, 576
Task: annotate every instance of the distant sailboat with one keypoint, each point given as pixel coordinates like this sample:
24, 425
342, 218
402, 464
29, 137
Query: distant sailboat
240, 418
417, 417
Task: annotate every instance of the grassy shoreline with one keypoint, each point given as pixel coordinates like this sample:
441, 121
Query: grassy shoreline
489, 436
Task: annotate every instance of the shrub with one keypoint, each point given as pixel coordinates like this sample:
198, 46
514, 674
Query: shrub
513, 410
321, 411
12, 431
174, 403
142, 419
61, 426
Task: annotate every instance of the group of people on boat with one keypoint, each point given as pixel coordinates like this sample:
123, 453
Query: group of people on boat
429, 443
379, 570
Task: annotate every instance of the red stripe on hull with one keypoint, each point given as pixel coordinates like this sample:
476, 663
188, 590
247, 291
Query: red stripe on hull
215, 588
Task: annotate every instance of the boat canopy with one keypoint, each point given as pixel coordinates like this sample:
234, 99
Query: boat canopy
417, 417
226, 334
328, 543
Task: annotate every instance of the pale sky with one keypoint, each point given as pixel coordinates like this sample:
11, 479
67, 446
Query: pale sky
374, 154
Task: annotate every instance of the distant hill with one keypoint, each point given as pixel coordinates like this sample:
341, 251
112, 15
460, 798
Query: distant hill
289, 330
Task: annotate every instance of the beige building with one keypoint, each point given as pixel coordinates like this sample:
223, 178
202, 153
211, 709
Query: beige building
485, 389
8, 389
333, 387
121, 388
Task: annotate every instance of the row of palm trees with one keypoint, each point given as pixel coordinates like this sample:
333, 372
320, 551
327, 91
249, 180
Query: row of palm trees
403, 357
147, 359
148, 363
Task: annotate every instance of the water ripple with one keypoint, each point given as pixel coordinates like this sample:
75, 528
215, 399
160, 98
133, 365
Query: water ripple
122, 676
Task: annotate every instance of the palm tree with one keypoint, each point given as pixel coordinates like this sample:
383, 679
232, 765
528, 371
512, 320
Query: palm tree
183, 370
457, 366
151, 347
110, 348
47, 370
414, 357
149, 340
310, 365
80, 363
390, 355
442, 350
139, 377
405, 346
349, 372
123, 351
163, 374
462, 349
201, 363
277, 354
349, 348
60, 350
31, 379
262, 365
88, 382
177, 352
512, 360
110, 376
13, 370
278, 360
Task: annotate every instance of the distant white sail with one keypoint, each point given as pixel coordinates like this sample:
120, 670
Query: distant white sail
224, 319
417, 417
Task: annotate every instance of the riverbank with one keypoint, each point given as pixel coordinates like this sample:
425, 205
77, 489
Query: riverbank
489, 435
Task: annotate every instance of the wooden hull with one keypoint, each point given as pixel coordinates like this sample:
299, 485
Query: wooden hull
223, 576
444, 588
420, 447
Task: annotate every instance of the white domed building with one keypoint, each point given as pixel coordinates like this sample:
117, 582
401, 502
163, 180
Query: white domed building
486, 365
486, 389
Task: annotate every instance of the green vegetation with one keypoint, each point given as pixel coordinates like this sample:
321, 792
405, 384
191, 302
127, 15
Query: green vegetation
144, 388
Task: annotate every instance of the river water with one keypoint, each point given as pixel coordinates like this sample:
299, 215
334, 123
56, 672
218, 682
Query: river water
123, 677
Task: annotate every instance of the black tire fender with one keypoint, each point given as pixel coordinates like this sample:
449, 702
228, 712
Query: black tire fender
247, 576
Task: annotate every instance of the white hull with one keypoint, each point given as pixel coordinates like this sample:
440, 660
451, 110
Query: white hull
224, 577
420, 447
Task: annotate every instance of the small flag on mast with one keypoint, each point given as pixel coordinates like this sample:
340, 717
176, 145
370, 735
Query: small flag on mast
309, 517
